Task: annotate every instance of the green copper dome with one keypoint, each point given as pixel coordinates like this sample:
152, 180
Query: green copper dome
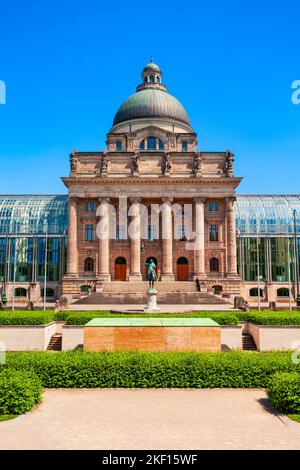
151, 103
151, 100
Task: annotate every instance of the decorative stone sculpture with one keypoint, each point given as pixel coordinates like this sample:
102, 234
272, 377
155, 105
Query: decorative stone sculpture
229, 163
134, 165
73, 163
104, 165
62, 303
166, 166
197, 165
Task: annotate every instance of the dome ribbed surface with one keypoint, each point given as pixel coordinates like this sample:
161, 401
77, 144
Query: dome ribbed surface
151, 103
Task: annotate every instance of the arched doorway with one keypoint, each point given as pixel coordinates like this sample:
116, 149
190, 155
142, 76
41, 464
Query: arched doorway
182, 269
155, 261
120, 269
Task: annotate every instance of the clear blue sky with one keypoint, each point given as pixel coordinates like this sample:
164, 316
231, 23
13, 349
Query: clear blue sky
68, 65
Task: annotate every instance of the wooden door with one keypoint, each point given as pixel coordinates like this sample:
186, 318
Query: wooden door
120, 272
182, 272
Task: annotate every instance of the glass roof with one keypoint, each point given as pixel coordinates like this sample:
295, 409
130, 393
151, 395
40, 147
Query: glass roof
33, 214
267, 214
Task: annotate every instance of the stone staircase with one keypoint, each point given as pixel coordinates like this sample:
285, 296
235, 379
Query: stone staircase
135, 293
55, 342
248, 342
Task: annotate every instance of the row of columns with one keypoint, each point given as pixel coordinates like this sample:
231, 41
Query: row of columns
198, 245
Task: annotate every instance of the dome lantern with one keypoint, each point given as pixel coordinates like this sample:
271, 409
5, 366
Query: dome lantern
151, 74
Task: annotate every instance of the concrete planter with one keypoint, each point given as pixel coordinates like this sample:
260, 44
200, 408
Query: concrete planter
26, 337
274, 337
72, 337
231, 337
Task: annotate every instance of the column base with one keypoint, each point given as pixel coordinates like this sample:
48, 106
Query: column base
135, 277
167, 277
71, 276
104, 277
200, 276
232, 276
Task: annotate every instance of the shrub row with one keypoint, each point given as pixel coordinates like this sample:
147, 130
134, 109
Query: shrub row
81, 318
270, 318
81, 369
26, 318
19, 391
284, 392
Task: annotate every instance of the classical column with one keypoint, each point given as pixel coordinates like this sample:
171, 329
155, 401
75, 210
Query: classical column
135, 241
103, 235
231, 239
167, 240
199, 243
72, 263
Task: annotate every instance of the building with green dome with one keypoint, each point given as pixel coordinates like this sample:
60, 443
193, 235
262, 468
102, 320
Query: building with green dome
151, 194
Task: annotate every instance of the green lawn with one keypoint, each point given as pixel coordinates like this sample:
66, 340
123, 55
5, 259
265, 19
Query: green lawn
295, 418
7, 417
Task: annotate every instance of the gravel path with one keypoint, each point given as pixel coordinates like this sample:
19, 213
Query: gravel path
151, 419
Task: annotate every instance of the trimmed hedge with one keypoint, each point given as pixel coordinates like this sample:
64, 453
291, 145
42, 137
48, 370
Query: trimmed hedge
270, 318
135, 369
26, 318
19, 391
284, 392
81, 318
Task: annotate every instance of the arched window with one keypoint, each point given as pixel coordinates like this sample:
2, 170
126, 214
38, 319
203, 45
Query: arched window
142, 145
158, 79
182, 260
49, 292
254, 292
120, 260
152, 78
217, 289
282, 292
85, 289
214, 265
151, 143
146, 80
89, 264
20, 292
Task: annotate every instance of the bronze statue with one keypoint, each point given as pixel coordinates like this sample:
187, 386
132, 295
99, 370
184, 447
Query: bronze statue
151, 273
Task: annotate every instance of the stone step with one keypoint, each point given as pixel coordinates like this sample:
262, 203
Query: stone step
248, 342
164, 298
55, 343
142, 286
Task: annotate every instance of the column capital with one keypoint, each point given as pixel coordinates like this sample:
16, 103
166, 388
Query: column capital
73, 200
135, 199
200, 199
167, 199
230, 199
103, 199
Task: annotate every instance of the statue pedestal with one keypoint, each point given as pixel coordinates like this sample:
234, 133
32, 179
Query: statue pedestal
152, 304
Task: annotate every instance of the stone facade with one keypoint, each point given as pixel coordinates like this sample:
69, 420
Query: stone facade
151, 159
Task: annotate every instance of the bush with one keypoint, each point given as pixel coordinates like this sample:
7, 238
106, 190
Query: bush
270, 318
19, 391
80, 369
61, 315
284, 392
26, 318
81, 318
